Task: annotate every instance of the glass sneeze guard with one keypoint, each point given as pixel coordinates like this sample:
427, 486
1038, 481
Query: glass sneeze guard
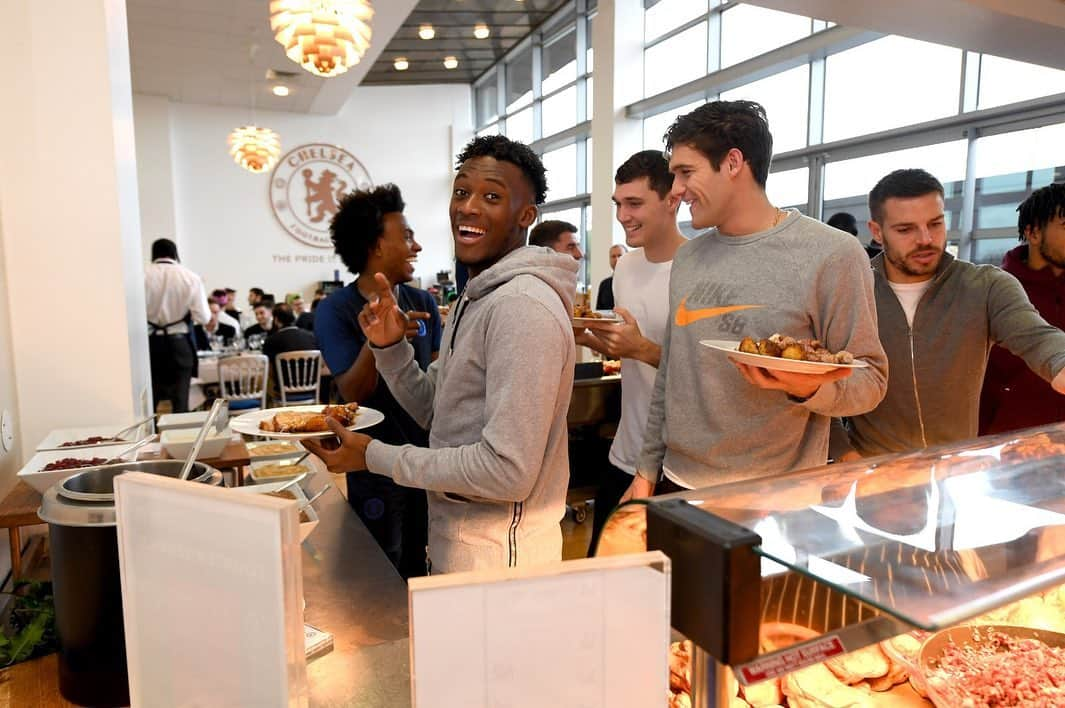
932, 538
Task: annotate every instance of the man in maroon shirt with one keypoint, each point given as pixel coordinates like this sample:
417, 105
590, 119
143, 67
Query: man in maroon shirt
1013, 396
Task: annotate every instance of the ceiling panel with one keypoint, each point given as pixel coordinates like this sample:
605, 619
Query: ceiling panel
217, 52
509, 21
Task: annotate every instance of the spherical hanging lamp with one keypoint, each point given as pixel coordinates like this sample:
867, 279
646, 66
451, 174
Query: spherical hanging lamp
325, 37
255, 149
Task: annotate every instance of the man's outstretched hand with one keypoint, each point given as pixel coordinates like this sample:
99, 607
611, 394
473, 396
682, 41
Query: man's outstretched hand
381, 320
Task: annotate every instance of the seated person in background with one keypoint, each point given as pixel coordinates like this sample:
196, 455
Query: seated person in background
558, 235
264, 320
306, 319
371, 235
255, 296
604, 297
1014, 396
287, 338
230, 306
937, 318
220, 324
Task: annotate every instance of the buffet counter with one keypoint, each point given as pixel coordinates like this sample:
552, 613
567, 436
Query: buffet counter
351, 591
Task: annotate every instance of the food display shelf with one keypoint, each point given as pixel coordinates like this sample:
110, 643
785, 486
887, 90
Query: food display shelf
855, 554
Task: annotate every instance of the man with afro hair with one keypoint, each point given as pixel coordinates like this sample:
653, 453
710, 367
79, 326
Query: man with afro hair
1014, 396
496, 399
371, 235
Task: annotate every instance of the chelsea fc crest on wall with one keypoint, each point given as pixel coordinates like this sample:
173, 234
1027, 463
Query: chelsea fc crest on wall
306, 188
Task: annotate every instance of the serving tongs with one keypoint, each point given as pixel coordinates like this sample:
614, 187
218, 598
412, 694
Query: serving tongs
217, 407
117, 458
136, 425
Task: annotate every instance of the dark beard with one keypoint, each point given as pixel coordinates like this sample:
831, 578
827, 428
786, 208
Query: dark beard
900, 262
1052, 260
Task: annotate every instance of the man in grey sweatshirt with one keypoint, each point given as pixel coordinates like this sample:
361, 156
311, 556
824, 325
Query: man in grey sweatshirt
938, 318
762, 270
495, 400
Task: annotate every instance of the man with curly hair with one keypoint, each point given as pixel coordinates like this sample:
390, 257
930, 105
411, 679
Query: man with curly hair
1014, 396
371, 235
496, 399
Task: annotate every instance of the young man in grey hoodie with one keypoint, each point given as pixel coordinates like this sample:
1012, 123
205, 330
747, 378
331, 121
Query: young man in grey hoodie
495, 401
760, 270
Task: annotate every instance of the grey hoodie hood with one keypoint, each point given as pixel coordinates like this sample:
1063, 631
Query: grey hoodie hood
495, 405
559, 270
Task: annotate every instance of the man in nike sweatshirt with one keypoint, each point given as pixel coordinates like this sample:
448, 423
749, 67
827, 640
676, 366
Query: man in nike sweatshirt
761, 270
495, 401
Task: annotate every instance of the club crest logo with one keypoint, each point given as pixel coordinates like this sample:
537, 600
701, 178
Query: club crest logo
306, 187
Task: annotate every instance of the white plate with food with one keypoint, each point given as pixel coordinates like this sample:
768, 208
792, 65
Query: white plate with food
584, 317
299, 422
777, 363
88, 436
267, 450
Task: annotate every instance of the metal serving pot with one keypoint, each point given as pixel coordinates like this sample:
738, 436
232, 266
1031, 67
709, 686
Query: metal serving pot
80, 512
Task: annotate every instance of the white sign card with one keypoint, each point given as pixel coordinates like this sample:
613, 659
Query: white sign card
211, 595
577, 634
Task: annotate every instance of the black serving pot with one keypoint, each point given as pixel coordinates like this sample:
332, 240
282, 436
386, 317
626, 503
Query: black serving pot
86, 584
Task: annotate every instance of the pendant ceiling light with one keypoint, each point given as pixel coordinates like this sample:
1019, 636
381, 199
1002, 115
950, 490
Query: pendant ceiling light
325, 37
255, 149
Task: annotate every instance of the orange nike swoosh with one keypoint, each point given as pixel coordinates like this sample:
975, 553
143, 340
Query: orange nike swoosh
685, 317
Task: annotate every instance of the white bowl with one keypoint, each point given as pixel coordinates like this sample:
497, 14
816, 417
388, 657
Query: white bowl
300, 498
34, 475
178, 443
268, 471
174, 421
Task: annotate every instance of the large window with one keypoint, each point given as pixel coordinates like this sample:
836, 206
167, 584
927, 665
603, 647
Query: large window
1005, 81
661, 16
675, 61
849, 106
748, 30
786, 99
654, 128
544, 79
560, 61
519, 80
889, 83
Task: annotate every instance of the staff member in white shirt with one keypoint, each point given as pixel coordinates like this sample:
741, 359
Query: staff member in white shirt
174, 298
648, 212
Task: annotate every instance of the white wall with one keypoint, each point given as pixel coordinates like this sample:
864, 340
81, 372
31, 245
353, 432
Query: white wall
10, 460
69, 217
155, 182
225, 228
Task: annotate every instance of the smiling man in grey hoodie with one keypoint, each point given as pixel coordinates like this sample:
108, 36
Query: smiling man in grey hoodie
495, 401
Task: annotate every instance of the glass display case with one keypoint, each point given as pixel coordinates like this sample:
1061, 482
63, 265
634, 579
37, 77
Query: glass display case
777, 579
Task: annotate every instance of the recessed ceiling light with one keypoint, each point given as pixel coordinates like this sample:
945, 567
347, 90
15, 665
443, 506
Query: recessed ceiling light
450, 62
401, 64
481, 31
426, 32
280, 90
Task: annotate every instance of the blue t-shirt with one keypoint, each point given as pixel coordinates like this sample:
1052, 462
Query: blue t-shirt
336, 325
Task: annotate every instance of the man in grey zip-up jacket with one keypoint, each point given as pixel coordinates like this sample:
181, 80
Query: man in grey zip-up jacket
938, 318
495, 401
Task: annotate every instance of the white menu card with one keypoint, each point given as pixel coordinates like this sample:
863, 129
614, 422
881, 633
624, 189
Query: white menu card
576, 634
211, 595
